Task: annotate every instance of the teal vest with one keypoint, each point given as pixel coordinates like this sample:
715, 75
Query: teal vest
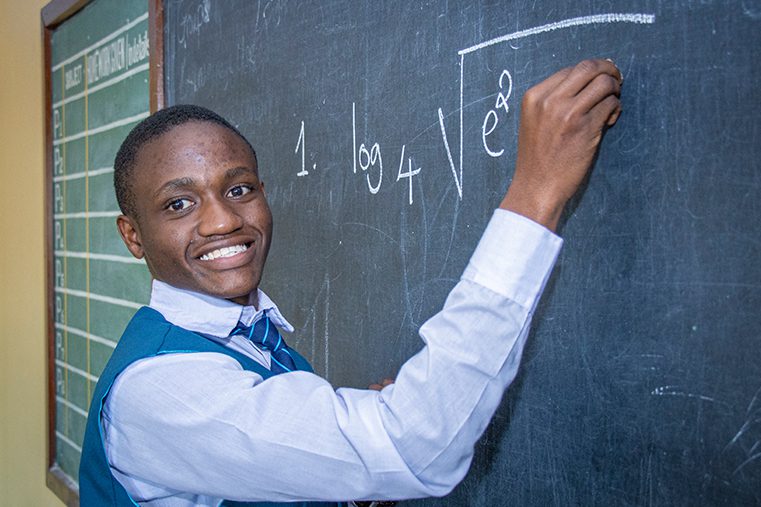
148, 334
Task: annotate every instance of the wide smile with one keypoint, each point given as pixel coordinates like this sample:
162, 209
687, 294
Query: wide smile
230, 256
224, 252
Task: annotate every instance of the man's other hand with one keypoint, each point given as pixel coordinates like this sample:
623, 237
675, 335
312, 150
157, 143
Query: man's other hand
384, 383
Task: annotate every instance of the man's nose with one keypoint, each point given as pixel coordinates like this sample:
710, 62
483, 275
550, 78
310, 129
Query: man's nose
218, 217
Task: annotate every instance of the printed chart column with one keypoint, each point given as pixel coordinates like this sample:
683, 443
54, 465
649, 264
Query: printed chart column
100, 90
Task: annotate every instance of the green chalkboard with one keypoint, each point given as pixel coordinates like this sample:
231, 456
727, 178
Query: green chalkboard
98, 90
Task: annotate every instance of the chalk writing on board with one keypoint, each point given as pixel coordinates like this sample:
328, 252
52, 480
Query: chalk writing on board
367, 157
191, 23
301, 144
409, 173
490, 122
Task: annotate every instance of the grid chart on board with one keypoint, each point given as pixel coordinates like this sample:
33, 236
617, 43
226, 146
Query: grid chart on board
100, 89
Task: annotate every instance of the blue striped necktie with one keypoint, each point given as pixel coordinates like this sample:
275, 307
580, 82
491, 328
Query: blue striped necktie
265, 335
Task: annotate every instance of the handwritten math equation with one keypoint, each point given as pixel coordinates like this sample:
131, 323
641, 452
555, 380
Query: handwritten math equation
367, 154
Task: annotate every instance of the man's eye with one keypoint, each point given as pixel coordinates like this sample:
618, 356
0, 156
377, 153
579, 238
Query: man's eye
179, 204
239, 191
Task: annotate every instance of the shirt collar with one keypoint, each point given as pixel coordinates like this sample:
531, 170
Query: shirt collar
210, 315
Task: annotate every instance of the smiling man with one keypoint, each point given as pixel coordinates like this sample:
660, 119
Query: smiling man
203, 403
202, 222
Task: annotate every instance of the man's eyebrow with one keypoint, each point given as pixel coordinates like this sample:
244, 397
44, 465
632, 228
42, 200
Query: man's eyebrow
172, 185
235, 172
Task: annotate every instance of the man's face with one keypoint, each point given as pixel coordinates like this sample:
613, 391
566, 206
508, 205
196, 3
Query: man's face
203, 220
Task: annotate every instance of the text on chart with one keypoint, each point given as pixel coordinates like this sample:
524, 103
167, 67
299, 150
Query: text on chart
120, 54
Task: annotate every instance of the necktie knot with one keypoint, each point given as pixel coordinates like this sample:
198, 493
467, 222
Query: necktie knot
265, 335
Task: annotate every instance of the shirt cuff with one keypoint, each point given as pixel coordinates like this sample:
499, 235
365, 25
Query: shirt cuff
514, 257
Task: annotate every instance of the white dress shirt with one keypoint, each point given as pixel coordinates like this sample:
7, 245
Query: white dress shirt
192, 429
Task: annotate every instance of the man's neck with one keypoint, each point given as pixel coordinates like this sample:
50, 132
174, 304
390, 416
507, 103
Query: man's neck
251, 300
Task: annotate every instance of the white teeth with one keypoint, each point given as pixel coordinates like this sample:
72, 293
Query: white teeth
227, 251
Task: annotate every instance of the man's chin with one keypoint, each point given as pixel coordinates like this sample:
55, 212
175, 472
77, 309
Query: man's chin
242, 292
248, 299
242, 295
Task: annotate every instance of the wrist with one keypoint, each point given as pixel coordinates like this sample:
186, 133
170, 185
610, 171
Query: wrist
542, 209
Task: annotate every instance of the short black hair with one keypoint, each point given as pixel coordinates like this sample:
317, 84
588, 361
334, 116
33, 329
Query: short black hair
158, 123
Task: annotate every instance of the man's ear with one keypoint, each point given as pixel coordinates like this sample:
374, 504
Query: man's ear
130, 235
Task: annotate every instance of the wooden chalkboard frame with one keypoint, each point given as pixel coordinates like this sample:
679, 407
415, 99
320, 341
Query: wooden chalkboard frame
53, 15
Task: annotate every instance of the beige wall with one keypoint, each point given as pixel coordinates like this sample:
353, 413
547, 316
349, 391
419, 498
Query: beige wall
22, 310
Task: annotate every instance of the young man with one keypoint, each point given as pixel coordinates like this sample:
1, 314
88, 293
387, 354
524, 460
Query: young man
190, 410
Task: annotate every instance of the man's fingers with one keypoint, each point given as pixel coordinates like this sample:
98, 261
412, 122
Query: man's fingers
584, 73
599, 89
613, 118
377, 387
552, 82
606, 112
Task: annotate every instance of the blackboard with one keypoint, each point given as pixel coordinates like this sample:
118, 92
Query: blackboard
97, 76
641, 383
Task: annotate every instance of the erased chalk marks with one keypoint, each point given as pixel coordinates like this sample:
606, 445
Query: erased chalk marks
752, 9
748, 437
677, 391
741, 456
191, 24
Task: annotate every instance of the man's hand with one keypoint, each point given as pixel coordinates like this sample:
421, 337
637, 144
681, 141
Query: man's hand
385, 382
562, 122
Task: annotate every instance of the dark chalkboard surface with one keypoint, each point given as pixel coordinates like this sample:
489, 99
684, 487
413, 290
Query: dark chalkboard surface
386, 134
